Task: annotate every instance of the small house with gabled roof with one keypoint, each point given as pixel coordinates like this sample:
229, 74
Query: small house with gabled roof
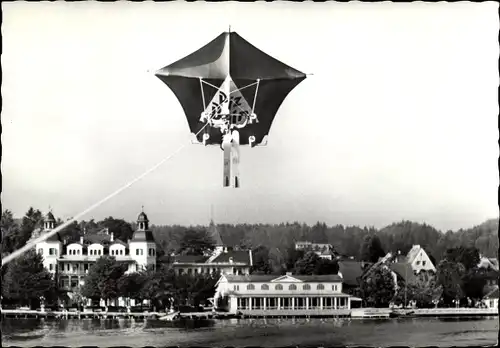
222, 260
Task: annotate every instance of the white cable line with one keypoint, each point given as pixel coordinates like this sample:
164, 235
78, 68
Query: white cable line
43, 237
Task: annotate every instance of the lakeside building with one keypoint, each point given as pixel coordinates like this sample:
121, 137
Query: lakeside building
70, 262
417, 258
491, 299
271, 295
323, 250
223, 259
488, 263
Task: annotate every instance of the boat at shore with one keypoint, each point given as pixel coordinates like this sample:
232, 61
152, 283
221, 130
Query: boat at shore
170, 316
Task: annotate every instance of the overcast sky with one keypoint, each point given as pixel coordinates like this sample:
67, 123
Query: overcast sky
399, 120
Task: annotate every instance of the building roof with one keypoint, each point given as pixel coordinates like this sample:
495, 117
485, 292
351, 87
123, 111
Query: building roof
214, 233
242, 256
265, 278
494, 262
97, 238
142, 236
53, 238
351, 271
142, 217
485, 262
50, 217
118, 241
492, 294
412, 254
190, 259
403, 270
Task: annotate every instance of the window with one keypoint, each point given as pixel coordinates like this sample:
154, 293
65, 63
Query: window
264, 287
306, 287
78, 252
292, 287
51, 267
138, 251
99, 252
236, 288
52, 251
334, 287
418, 263
423, 263
278, 287
250, 287
320, 287
121, 252
40, 251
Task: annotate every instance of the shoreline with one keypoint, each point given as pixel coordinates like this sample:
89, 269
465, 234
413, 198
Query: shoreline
362, 313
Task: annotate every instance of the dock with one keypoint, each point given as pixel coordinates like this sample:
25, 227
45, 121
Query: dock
448, 312
33, 314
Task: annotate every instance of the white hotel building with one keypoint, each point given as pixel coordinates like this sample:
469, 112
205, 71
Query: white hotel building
71, 262
294, 295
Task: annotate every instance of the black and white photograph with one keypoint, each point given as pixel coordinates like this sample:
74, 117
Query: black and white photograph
236, 174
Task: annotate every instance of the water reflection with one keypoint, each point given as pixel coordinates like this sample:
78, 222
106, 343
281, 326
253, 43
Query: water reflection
250, 332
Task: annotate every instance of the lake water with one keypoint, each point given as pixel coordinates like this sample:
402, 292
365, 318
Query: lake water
251, 332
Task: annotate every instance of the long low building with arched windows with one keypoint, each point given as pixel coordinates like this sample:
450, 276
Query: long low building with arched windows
287, 295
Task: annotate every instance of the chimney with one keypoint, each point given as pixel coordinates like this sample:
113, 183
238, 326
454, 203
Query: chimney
289, 274
230, 260
107, 231
112, 237
81, 239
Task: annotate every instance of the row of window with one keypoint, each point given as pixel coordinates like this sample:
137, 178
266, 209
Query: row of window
292, 303
52, 251
84, 267
290, 287
208, 270
423, 263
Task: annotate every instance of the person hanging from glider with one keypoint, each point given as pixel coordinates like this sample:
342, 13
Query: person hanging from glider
230, 92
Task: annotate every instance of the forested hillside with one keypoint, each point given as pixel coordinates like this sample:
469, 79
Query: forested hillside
279, 239
347, 240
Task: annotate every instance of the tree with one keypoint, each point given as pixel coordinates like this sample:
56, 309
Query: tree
10, 232
467, 256
71, 233
371, 249
130, 285
326, 266
102, 279
474, 282
377, 289
312, 264
261, 262
196, 242
26, 280
449, 276
193, 289
423, 289
120, 228
292, 256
